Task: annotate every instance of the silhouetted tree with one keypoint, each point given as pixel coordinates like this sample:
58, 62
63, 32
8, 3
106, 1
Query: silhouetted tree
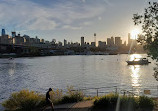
149, 22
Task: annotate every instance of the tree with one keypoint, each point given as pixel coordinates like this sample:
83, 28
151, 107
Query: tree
149, 38
149, 23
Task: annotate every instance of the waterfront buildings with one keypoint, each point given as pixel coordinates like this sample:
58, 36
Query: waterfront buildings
112, 45
101, 44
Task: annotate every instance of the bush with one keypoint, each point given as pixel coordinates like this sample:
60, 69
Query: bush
56, 96
126, 103
106, 102
146, 103
25, 100
72, 96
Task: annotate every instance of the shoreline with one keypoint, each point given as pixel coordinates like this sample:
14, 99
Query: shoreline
7, 57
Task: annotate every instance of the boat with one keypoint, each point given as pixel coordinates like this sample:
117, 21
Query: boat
138, 61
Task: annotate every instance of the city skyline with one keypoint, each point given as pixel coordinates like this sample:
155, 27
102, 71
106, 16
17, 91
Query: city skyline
70, 19
110, 41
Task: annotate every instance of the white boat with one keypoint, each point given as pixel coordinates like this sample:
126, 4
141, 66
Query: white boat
139, 61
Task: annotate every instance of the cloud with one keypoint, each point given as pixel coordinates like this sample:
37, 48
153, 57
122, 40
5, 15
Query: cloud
83, 1
43, 23
99, 18
71, 27
108, 3
87, 23
27, 15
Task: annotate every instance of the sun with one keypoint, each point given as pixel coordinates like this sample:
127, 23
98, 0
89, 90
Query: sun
134, 33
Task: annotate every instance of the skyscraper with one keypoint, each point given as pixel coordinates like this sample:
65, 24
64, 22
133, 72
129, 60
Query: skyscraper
3, 32
65, 42
82, 41
118, 41
110, 41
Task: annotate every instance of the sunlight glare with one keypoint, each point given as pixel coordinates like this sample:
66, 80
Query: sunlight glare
135, 57
134, 34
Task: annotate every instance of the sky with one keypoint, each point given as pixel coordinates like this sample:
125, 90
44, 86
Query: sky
70, 19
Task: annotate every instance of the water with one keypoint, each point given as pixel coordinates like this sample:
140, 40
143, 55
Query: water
40, 73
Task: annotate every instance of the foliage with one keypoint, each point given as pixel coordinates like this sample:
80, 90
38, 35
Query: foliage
149, 37
34, 51
56, 96
125, 103
88, 98
25, 100
145, 103
149, 23
72, 95
106, 102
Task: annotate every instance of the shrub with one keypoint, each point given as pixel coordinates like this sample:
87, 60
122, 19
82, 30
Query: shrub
146, 103
106, 102
25, 100
72, 96
126, 103
56, 96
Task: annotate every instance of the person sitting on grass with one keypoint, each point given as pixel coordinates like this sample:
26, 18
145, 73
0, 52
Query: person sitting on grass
48, 100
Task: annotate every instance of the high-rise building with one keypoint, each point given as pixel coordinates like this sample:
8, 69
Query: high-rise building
65, 42
13, 34
82, 41
118, 41
3, 32
110, 41
101, 44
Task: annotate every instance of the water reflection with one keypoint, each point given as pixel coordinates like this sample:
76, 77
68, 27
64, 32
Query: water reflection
135, 69
11, 68
135, 75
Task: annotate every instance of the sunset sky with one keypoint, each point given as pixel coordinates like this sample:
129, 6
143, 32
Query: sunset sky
70, 19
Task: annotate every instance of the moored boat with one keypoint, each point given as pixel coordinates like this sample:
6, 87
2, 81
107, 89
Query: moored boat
140, 61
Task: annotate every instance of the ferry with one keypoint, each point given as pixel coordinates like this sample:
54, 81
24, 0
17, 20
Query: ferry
140, 61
